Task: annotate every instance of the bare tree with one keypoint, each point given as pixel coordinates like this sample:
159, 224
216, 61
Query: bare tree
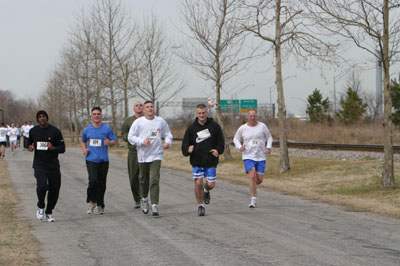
367, 24
112, 24
157, 77
216, 49
283, 24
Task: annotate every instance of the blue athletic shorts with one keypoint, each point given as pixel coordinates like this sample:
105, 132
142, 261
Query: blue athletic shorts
209, 172
258, 165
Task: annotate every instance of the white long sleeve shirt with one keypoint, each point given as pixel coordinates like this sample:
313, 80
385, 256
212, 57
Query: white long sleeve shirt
154, 130
255, 139
13, 133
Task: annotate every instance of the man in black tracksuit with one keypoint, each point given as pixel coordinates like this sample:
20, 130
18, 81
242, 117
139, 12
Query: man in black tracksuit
47, 142
204, 142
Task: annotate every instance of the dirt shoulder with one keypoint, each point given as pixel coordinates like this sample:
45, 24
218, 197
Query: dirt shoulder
17, 245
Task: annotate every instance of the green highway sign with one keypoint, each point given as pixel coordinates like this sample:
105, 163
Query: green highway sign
247, 104
229, 106
233, 105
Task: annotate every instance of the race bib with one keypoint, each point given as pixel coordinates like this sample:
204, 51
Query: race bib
3, 133
95, 142
254, 143
42, 146
204, 134
154, 134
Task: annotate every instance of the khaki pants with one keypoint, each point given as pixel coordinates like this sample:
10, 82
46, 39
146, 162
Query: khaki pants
133, 171
149, 178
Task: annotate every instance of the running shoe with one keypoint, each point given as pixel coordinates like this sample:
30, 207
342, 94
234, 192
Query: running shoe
91, 206
144, 204
201, 210
40, 213
154, 210
50, 218
136, 205
252, 203
207, 197
100, 210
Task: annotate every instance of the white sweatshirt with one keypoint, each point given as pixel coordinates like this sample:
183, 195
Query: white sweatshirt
13, 133
254, 139
3, 134
154, 129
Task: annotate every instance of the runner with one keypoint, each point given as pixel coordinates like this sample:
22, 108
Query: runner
204, 142
146, 133
47, 142
133, 165
3, 139
96, 138
25, 132
13, 137
255, 135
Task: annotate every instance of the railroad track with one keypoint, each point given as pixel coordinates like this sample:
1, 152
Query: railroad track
341, 147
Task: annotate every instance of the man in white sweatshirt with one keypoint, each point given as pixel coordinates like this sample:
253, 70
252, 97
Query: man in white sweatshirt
257, 142
146, 134
13, 133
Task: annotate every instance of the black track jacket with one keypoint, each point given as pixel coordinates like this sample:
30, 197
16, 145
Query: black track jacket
203, 143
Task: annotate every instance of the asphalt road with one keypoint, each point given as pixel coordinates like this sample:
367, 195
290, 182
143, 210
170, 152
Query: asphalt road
283, 230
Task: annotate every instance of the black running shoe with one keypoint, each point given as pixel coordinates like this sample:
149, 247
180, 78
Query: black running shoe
206, 197
201, 211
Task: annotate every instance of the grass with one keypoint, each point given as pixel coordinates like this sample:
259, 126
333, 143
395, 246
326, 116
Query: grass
17, 246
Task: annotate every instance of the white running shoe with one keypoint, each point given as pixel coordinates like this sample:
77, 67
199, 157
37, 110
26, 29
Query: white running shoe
91, 206
40, 214
253, 203
50, 218
154, 210
100, 210
144, 204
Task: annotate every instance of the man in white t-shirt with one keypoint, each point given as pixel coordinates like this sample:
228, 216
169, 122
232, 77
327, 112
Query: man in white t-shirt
13, 134
146, 134
3, 139
257, 142
25, 133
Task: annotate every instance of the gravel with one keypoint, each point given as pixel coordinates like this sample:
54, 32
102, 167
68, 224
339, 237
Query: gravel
338, 155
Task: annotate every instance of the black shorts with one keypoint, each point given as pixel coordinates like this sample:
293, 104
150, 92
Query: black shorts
3, 143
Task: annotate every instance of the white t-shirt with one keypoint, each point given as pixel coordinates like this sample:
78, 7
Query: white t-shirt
3, 134
25, 130
254, 139
13, 133
154, 129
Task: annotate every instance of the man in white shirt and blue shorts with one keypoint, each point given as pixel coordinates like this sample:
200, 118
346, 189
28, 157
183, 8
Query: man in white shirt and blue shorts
257, 142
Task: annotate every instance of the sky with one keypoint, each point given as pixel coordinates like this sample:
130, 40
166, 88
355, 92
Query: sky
33, 34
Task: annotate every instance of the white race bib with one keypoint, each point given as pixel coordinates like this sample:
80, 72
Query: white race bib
42, 146
204, 134
95, 142
3, 133
254, 143
154, 134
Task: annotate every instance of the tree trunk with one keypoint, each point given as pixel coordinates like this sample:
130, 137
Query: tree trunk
284, 152
388, 171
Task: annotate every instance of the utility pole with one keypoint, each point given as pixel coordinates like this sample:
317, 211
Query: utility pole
2, 115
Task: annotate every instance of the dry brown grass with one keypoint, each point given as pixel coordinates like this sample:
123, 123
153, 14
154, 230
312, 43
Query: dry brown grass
307, 132
17, 245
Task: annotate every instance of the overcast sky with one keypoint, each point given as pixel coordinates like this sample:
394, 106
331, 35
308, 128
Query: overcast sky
33, 33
